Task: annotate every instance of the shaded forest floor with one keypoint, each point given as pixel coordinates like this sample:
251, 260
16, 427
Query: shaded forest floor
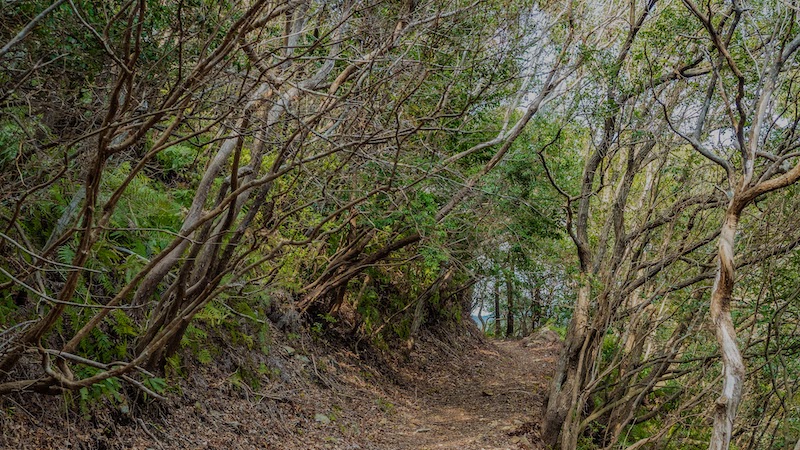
458, 392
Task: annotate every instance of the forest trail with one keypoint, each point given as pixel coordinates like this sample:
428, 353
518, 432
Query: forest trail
468, 393
490, 402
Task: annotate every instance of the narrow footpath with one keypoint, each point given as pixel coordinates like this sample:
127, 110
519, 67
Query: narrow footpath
493, 401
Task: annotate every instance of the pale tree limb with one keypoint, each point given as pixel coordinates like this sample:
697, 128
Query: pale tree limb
27, 29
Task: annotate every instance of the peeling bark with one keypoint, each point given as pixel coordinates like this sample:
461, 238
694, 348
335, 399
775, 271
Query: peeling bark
733, 369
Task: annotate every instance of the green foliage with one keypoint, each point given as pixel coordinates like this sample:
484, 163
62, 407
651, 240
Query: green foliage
11, 138
213, 315
156, 384
177, 162
323, 321
109, 389
386, 406
204, 356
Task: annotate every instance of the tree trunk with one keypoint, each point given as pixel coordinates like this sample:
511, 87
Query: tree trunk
497, 332
510, 302
523, 321
570, 373
733, 369
537, 308
480, 316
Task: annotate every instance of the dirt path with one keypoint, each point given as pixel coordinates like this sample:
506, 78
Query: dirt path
466, 394
491, 402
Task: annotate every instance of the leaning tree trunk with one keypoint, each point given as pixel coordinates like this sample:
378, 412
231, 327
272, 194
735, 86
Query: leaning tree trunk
567, 380
480, 316
733, 369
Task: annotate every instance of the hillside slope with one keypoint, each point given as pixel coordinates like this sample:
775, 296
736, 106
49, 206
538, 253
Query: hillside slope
457, 392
